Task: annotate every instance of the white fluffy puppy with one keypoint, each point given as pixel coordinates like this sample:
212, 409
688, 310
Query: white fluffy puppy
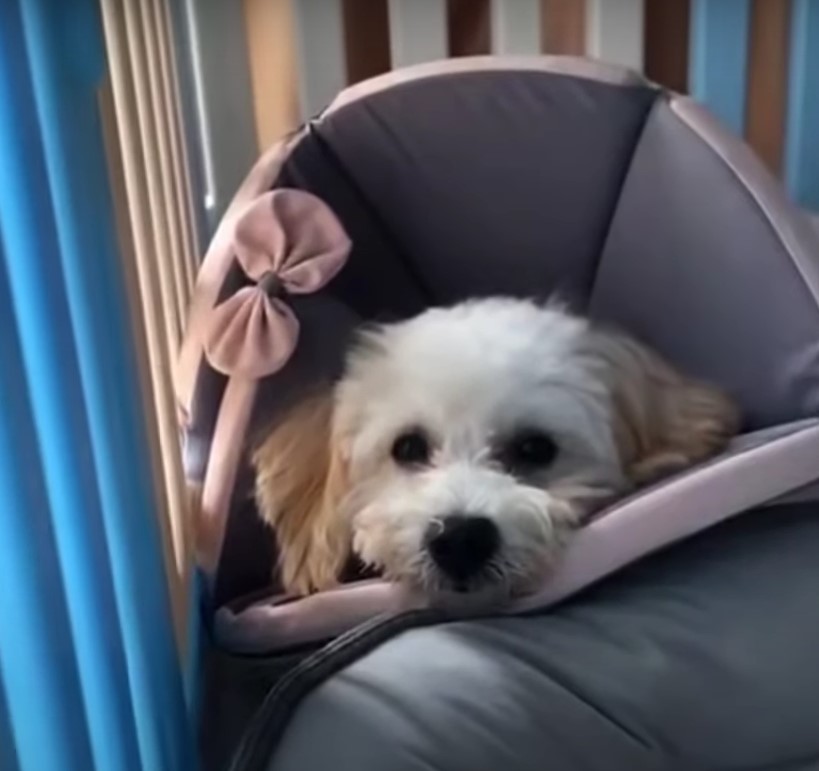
462, 447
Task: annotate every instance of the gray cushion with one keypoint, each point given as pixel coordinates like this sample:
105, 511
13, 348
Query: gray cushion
700, 658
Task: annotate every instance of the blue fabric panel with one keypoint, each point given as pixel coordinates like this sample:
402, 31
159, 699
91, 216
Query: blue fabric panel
802, 142
42, 710
718, 57
52, 379
196, 641
8, 754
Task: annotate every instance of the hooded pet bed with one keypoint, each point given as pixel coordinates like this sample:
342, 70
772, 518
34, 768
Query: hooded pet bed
523, 177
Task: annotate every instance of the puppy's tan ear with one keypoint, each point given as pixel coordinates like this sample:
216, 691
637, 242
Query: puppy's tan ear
300, 481
664, 422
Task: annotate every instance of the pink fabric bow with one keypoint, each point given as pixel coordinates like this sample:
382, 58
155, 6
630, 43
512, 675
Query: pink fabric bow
288, 242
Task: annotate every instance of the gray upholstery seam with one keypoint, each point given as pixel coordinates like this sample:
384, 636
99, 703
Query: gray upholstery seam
658, 98
793, 253
550, 673
327, 152
618, 726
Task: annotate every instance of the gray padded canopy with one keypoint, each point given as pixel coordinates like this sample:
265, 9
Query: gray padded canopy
527, 177
630, 201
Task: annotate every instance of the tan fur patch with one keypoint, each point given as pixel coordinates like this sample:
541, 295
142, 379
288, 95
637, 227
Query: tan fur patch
664, 421
300, 481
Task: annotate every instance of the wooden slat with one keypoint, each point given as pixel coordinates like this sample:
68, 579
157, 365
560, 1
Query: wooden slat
718, 58
181, 157
563, 27
417, 31
186, 101
164, 161
614, 31
366, 38
273, 70
802, 149
666, 43
468, 27
133, 100
142, 151
515, 26
320, 50
166, 469
768, 80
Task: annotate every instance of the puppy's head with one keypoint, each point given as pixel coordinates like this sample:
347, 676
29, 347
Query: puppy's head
462, 447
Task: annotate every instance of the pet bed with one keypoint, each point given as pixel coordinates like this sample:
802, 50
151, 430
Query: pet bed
491, 176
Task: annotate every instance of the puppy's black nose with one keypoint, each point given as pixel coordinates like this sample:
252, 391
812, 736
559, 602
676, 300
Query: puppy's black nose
461, 544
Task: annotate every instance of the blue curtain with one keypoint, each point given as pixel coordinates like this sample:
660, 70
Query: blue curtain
802, 146
718, 77
89, 672
718, 58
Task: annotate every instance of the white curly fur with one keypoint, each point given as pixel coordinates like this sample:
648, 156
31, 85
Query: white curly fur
469, 377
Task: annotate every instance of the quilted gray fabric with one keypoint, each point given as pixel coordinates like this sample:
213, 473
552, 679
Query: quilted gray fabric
704, 657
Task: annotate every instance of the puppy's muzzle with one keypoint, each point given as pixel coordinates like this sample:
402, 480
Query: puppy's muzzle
461, 545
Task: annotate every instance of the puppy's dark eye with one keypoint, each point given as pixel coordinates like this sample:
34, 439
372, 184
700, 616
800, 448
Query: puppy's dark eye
529, 450
411, 448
